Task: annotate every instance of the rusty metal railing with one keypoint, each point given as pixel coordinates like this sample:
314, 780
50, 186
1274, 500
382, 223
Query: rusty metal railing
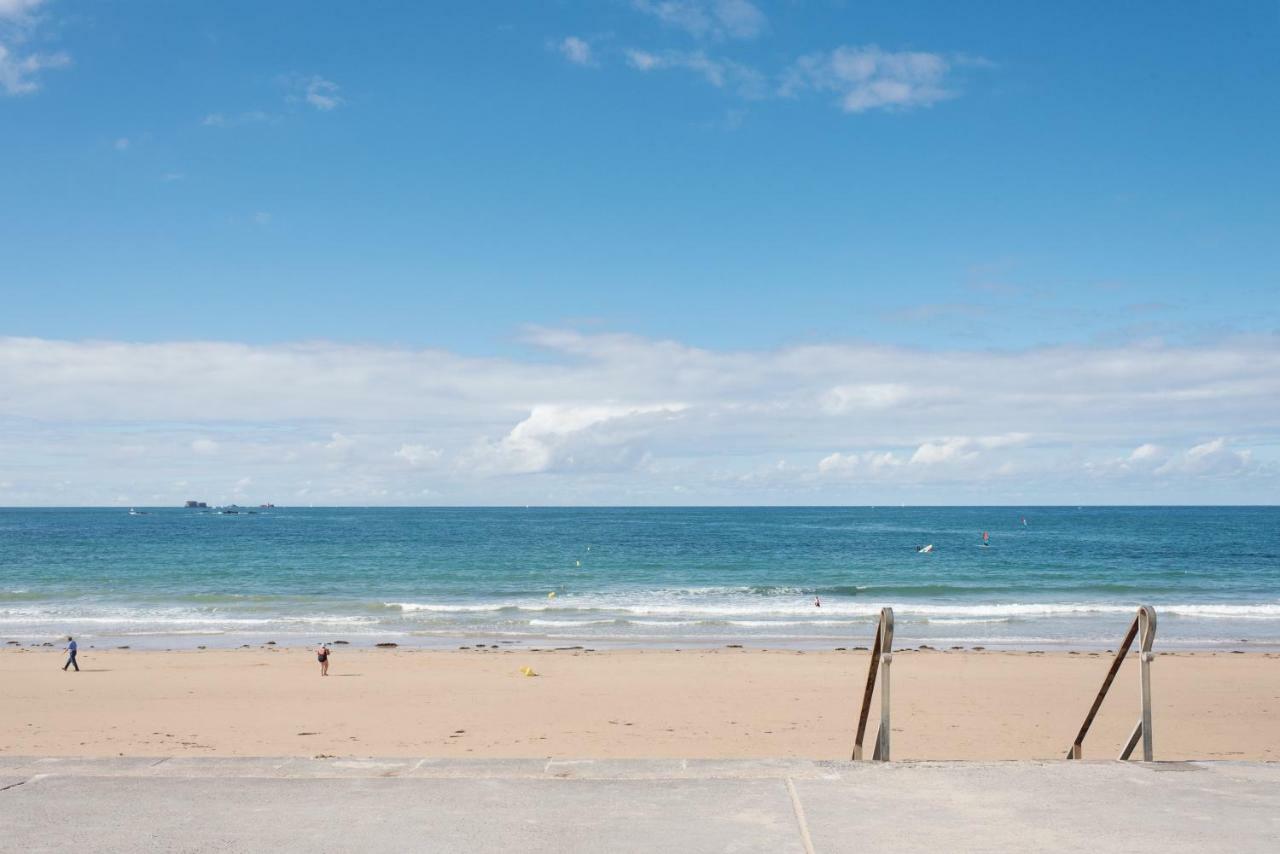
881, 658
1144, 625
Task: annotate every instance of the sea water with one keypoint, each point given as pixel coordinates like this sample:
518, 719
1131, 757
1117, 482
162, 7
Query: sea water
1049, 578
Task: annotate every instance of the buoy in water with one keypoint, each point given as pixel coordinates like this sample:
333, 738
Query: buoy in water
551, 595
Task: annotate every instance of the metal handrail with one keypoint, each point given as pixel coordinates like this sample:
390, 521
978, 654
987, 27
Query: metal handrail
1144, 624
881, 658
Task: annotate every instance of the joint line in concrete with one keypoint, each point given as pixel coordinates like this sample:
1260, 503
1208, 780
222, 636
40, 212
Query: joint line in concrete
805, 838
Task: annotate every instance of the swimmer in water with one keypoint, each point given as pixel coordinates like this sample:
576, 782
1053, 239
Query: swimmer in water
817, 603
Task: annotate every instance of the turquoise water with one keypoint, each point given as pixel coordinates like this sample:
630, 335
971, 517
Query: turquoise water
679, 576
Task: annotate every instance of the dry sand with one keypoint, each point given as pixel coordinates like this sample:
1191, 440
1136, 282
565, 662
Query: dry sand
711, 703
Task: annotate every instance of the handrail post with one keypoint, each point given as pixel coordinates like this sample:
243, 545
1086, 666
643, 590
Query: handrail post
881, 658
1143, 628
882, 742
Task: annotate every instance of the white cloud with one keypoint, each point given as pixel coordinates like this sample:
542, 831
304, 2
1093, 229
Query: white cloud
721, 73
583, 437
958, 448
18, 10
20, 69
322, 94
620, 418
1145, 453
736, 19
1208, 459
864, 78
868, 78
869, 464
576, 50
19, 72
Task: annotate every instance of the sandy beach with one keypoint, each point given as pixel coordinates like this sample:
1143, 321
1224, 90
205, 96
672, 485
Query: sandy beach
695, 703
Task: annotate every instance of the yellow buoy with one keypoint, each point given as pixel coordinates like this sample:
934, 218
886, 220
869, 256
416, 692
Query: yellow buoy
551, 595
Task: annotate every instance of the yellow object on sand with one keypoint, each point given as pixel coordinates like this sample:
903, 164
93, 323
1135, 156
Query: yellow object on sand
527, 671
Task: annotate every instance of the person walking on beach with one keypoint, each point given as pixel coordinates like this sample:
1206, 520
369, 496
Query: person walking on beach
322, 655
71, 654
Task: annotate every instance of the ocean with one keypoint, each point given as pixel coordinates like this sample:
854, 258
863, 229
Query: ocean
656, 577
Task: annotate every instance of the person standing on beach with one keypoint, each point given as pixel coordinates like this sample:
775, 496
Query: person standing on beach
322, 655
71, 654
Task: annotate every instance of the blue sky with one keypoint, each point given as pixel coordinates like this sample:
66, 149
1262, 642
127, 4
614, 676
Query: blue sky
494, 184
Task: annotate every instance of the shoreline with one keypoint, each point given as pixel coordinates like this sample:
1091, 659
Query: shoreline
722, 703
452, 643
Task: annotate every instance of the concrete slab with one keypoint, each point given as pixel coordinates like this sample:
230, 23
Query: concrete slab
1061, 807
290, 805
130, 814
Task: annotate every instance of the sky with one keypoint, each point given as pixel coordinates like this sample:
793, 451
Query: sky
639, 252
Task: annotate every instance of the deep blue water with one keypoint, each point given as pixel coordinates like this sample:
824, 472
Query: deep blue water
1069, 576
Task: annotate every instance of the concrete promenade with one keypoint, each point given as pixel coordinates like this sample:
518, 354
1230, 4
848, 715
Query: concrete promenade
675, 806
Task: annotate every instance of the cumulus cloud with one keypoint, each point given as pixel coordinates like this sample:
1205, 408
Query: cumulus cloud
1212, 458
20, 68
958, 448
572, 437
869, 463
621, 418
718, 19
954, 455
867, 77
576, 50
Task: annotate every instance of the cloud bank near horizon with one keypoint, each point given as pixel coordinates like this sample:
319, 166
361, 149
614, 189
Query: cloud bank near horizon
621, 419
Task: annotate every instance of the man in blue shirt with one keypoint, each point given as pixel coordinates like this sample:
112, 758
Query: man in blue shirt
71, 654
